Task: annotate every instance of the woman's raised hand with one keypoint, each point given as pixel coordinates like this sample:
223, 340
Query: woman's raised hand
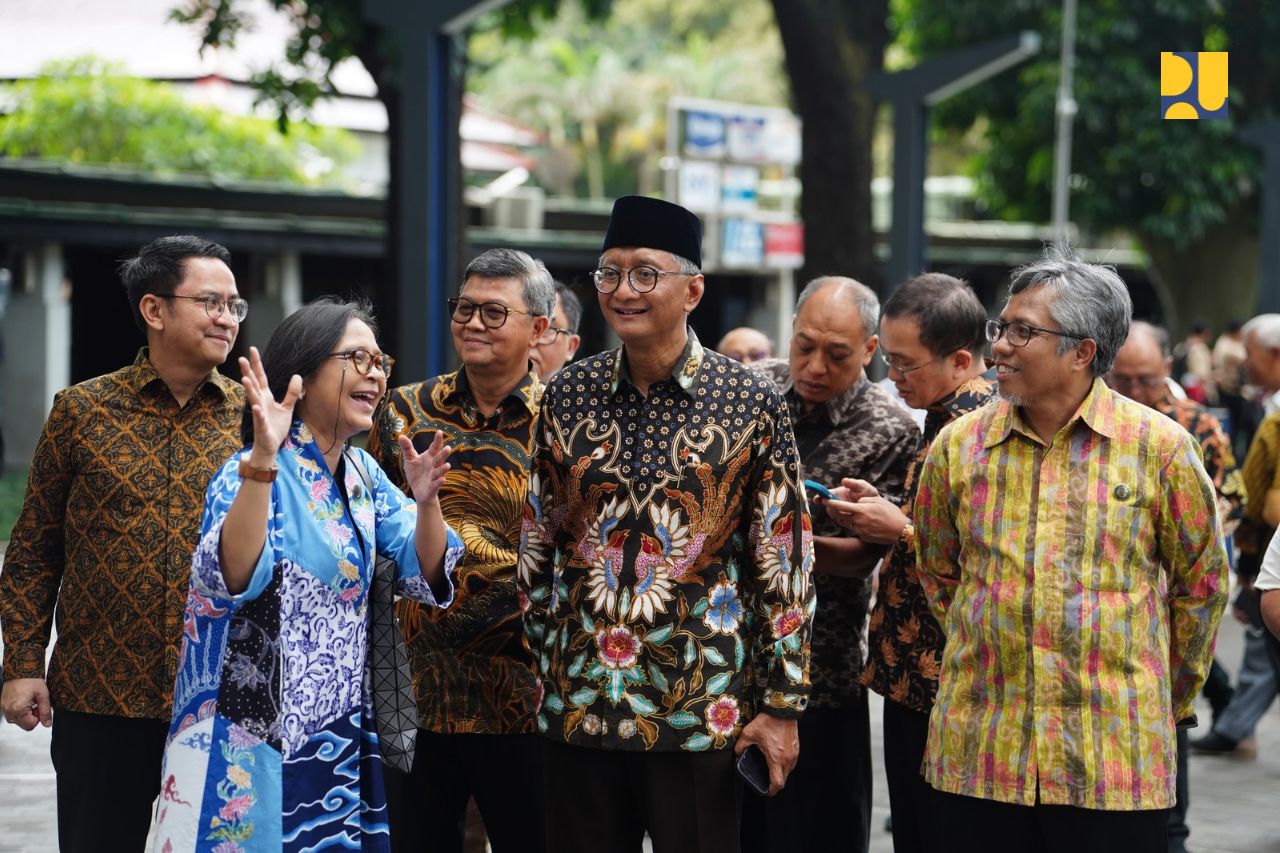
425, 471
271, 419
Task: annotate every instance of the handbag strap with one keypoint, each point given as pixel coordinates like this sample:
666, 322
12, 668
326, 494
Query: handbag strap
380, 569
394, 702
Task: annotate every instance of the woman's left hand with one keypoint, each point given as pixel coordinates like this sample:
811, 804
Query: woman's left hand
425, 471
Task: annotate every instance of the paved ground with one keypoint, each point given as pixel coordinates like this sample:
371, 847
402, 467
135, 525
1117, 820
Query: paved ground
1235, 807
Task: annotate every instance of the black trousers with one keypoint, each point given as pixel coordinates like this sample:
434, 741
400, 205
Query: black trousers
826, 804
427, 807
108, 774
604, 801
906, 733
987, 826
1178, 829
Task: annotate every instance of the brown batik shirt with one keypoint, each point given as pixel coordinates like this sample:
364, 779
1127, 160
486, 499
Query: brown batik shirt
864, 433
106, 532
904, 640
471, 670
1219, 460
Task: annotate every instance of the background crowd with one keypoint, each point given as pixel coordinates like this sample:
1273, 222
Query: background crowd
619, 585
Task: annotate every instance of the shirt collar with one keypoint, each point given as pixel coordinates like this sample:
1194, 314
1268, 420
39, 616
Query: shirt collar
964, 399
686, 373
142, 373
1097, 410
960, 400
838, 409
1271, 404
526, 391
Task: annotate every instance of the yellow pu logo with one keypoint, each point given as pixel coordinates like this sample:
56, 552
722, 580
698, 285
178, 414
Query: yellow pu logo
1193, 85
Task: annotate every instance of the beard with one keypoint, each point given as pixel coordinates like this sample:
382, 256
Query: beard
1014, 399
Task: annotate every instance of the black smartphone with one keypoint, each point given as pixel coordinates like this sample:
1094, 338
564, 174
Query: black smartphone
754, 769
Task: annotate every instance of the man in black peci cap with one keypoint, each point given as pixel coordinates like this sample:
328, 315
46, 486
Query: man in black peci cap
665, 564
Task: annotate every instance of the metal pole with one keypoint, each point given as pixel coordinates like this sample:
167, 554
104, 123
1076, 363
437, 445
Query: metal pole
1066, 112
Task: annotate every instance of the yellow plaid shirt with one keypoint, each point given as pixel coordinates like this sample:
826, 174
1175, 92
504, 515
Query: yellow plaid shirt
1079, 586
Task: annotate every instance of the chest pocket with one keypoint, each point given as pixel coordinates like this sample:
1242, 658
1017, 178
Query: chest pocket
1116, 561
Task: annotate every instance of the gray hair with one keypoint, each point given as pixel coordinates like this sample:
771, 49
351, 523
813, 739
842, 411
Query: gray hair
1092, 301
539, 288
1157, 333
864, 297
1265, 329
683, 265
572, 306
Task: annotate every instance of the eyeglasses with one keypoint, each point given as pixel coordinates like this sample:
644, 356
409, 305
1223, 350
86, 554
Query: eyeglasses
641, 279
366, 361
551, 333
214, 305
1122, 381
492, 314
903, 370
1020, 334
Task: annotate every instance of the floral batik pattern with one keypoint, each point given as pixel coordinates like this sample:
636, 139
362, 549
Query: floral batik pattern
272, 681
665, 556
863, 433
904, 640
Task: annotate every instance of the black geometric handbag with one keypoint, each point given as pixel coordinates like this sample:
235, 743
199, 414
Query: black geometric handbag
395, 709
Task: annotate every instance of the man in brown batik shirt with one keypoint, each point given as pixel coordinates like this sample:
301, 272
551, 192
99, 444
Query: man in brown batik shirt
931, 339
104, 540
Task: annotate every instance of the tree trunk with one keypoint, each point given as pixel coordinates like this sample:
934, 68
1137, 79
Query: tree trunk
1214, 279
831, 46
376, 52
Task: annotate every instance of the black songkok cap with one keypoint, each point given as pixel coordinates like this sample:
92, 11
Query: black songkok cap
638, 222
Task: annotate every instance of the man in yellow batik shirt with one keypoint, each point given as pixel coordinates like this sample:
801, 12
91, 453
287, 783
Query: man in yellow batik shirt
1070, 544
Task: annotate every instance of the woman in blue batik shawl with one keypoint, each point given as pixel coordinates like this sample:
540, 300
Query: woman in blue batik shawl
272, 745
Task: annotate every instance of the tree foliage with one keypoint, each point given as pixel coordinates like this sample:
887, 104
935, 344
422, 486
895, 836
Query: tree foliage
86, 111
325, 33
599, 87
1131, 169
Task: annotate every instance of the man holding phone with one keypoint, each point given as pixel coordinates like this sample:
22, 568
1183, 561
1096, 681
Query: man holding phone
845, 426
932, 341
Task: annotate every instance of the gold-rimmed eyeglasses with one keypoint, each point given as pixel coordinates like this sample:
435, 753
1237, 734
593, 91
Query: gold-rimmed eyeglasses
366, 361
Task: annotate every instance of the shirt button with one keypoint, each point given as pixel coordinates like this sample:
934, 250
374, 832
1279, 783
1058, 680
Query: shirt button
1122, 492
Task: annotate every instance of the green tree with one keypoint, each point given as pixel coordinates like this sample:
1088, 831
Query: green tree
87, 111
599, 87
1186, 190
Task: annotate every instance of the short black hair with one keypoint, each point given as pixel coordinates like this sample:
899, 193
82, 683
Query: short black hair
301, 344
159, 268
949, 314
572, 306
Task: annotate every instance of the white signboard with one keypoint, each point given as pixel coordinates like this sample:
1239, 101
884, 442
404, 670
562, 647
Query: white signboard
700, 186
739, 189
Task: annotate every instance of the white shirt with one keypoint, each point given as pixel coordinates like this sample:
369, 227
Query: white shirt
1269, 574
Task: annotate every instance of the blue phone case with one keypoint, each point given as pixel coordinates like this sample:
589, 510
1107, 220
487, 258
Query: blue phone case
819, 489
